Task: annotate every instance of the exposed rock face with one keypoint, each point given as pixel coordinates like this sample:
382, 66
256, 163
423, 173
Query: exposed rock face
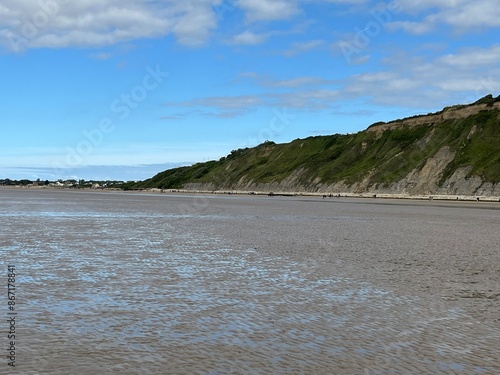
424, 181
460, 184
416, 183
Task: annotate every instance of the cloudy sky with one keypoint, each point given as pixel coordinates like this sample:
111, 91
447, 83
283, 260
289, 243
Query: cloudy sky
123, 89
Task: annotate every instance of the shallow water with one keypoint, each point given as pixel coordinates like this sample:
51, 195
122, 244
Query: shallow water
113, 283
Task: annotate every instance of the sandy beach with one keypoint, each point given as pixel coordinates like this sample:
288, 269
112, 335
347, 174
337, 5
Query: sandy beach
132, 283
440, 249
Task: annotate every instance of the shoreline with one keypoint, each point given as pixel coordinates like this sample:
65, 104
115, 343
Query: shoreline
309, 280
429, 197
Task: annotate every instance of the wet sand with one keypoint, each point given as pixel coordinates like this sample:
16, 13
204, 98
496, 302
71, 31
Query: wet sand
117, 283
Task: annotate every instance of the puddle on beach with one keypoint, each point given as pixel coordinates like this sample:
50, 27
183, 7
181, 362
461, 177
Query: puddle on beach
141, 293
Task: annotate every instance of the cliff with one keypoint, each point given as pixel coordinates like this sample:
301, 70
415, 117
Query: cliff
455, 151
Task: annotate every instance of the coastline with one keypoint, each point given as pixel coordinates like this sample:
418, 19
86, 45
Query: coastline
439, 197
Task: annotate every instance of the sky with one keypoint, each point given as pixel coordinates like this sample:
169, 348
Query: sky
124, 89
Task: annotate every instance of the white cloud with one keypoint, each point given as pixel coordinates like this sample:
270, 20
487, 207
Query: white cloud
473, 58
26, 24
101, 56
418, 6
268, 10
298, 82
461, 15
301, 47
290, 83
341, 2
228, 102
412, 82
61, 23
309, 100
248, 38
474, 14
415, 28
306, 99
431, 85
405, 81
216, 106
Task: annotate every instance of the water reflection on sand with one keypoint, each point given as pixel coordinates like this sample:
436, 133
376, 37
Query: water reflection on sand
119, 287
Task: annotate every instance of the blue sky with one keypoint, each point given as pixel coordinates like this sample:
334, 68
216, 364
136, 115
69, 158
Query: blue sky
123, 89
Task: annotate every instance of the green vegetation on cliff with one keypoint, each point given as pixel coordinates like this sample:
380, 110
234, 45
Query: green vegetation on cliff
383, 154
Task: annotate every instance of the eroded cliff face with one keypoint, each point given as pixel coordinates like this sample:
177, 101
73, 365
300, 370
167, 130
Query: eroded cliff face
460, 184
452, 152
422, 181
418, 182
